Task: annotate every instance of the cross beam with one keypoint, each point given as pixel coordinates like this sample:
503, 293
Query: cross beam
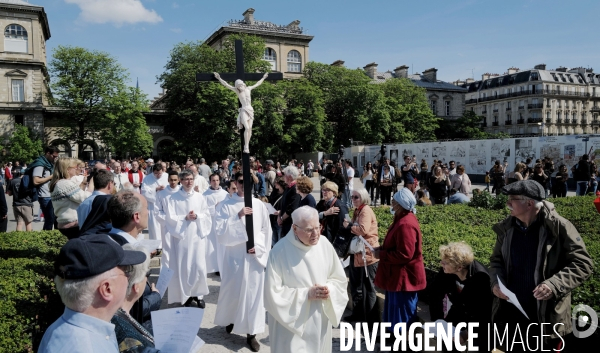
240, 74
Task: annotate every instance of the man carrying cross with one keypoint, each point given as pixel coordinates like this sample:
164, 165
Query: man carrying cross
246, 115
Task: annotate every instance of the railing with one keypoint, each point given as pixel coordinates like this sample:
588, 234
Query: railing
508, 109
522, 107
548, 120
542, 92
484, 112
584, 121
559, 121
595, 108
508, 122
495, 110
535, 106
495, 123
521, 121
567, 120
534, 120
471, 101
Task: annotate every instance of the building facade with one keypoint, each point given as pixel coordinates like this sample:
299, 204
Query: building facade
446, 100
287, 45
24, 84
537, 101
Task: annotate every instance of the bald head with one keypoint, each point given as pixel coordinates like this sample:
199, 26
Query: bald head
193, 169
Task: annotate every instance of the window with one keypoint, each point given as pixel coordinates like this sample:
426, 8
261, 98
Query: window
18, 93
294, 61
508, 105
447, 106
19, 119
15, 39
508, 117
433, 105
271, 58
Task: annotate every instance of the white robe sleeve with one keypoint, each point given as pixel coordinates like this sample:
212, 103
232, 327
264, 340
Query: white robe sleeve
149, 191
159, 212
204, 220
262, 243
230, 228
176, 224
337, 284
289, 306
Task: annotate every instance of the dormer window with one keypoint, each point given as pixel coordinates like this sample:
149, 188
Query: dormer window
15, 39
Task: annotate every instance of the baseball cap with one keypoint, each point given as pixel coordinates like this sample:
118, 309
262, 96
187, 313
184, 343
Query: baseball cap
529, 188
268, 161
91, 255
149, 160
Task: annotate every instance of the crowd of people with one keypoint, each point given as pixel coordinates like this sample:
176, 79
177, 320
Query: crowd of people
304, 249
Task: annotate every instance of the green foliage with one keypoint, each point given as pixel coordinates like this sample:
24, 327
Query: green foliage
28, 299
24, 145
443, 224
90, 87
488, 201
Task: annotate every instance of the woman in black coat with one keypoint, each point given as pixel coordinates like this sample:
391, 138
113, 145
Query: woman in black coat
331, 211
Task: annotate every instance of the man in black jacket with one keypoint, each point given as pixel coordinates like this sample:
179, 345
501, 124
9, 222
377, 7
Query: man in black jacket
289, 201
582, 175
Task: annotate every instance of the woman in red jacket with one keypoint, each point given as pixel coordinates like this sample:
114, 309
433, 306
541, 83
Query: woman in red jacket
401, 270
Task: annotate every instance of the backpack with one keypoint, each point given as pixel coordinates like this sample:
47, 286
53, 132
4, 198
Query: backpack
27, 188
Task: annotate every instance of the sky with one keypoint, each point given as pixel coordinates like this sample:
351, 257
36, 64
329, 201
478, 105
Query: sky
460, 38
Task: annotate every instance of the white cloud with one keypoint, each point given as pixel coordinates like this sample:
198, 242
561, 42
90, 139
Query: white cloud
118, 12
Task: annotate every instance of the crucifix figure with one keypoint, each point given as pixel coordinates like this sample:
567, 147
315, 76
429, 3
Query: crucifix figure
246, 115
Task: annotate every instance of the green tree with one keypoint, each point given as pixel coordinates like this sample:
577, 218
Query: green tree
468, 126
90, 88
24, 145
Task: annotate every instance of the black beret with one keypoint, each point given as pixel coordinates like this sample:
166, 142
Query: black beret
529, 188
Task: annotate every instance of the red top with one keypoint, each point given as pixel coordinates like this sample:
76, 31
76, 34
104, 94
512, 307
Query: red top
7, 173
401, 266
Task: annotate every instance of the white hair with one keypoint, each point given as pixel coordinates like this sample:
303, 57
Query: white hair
291, 171
538, 204
364, 196
138, 272
79, 294
304, 214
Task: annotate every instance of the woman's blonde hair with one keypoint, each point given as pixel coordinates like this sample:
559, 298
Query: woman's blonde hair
458, 254
519, 167
61, 170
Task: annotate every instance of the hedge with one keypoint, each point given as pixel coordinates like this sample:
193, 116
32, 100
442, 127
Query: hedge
442, 224
28, 300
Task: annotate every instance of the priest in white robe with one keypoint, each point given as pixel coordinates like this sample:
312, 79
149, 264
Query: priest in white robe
240, 307
188, 223
200, 183
152, 184
173, 187
305, 288
214, 251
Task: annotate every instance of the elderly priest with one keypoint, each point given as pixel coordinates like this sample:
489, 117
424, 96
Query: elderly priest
305, 288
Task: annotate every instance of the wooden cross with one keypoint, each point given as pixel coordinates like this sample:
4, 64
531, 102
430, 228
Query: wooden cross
240, 74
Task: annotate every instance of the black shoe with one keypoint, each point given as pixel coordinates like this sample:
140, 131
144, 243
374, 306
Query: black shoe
188, 302
201, 303
229, 328
253, 343
218, 274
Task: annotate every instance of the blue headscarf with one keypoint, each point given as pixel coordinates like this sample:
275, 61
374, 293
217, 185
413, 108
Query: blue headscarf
406, 200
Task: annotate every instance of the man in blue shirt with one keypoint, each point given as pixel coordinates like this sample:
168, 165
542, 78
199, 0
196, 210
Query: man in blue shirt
457, 197
104, 184
91, 279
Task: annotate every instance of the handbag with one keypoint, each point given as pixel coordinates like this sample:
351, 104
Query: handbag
356, 246
341, 243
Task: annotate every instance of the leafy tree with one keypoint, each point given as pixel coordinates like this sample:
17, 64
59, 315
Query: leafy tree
90, 87
24, 145
468, 126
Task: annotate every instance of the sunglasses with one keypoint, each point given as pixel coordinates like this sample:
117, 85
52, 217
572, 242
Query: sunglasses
240, 181
354, 197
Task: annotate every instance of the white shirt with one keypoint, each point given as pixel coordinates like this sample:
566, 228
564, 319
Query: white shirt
350, 173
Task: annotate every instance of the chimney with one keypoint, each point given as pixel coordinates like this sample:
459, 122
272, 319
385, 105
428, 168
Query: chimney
458, 82
512, 70
485, 76
249, 16
371, 70
561, 69
470, 80
338, 63
430, 75
540, 67
401, 71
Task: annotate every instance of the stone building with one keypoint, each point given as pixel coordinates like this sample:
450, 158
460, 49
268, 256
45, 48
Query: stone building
537, 101
287, 45
446, 100
24, 84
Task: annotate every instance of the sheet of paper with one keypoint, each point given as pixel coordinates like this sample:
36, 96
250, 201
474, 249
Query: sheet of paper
163, 279
512, 298
198, 343
176, 329
270, 208
447, 327
151, 244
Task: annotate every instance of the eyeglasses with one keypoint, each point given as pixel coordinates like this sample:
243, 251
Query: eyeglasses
240, 181
310, 230
354, 197
188, 179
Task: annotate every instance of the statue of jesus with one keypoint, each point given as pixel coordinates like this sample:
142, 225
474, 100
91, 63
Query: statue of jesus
246, 115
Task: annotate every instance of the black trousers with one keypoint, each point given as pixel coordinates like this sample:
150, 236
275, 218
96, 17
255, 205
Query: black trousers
364, 296
369, 185
386, 195
3, 225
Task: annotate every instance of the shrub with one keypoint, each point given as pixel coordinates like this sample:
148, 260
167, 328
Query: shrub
28, 300
442, 224
488, 201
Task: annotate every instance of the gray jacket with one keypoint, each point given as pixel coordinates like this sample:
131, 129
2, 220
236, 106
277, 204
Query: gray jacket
563, 263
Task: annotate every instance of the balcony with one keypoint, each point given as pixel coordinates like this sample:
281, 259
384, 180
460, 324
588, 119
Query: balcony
508, 122
548, 120
484, 112
534, 120
584, 121
567, 120
471, 101
495, 110
522, 107
559, 121
508, 109
495, 123
521, 121
535, 106
595, 108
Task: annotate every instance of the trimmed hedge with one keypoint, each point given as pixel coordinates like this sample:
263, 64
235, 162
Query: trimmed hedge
28, 300
442, 224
